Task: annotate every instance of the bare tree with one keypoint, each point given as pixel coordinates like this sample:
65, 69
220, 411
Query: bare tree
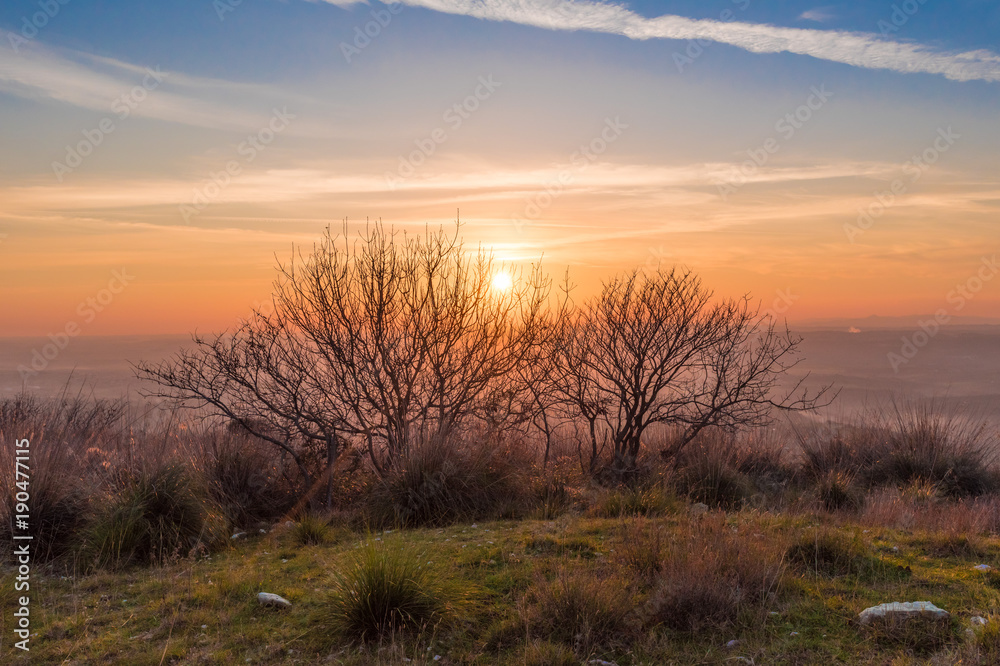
652, 348
388, 339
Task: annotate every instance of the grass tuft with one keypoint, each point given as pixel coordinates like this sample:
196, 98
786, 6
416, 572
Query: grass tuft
384, 592
156, 516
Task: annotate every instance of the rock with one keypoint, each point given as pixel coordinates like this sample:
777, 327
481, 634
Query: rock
978, 621
239, 535
733, 643
983, 567
273, 600
902, 611
698, 509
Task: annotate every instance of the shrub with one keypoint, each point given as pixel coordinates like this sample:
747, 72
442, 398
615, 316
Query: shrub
156, 516
953, 453
908, 444
712, 480
579, 608
714, 578
557, 488
244, 479
444, 481
385, 591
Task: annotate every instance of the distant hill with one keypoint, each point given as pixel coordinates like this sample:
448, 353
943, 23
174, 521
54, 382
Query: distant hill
883, 323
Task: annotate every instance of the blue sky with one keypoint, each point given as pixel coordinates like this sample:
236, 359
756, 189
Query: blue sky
667, 187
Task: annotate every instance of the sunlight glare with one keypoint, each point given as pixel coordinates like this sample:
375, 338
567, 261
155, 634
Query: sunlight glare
502, 281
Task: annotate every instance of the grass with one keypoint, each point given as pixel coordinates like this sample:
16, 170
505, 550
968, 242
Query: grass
384, 592
485, 557
153, 517
488, 595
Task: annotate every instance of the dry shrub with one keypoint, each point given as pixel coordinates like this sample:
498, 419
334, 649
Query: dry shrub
63, 434
714, 576
642, 549
583, 608
445, 480
904, 443
724, 469
897, 510
557, 488
546, 653
245, 478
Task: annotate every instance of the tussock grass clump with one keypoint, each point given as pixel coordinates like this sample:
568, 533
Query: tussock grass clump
986, 641
444, 481
310, 530
58, 501
832, 552
581, 608
635, 501
545, 653
715, 577
154, 517
906, 444
838, 492
387, 591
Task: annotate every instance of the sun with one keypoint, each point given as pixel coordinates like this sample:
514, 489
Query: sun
503, 281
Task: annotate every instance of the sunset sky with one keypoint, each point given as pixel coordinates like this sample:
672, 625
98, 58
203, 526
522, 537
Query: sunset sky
187, 143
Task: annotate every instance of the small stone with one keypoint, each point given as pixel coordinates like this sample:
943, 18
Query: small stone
733, 643
983, 567
978, 621
794, 633
273, 600
239, 535
698, 509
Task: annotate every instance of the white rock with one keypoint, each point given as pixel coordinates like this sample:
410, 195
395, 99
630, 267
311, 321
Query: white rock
239, 535
901, 611
268, 599
983, 567
977, 621
733, 643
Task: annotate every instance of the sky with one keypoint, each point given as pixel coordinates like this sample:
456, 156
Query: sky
832, 160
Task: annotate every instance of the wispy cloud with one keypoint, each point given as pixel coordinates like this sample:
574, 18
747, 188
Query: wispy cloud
93, 82
865, 50
819, 15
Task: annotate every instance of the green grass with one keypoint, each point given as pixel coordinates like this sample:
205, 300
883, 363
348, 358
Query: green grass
516, 592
